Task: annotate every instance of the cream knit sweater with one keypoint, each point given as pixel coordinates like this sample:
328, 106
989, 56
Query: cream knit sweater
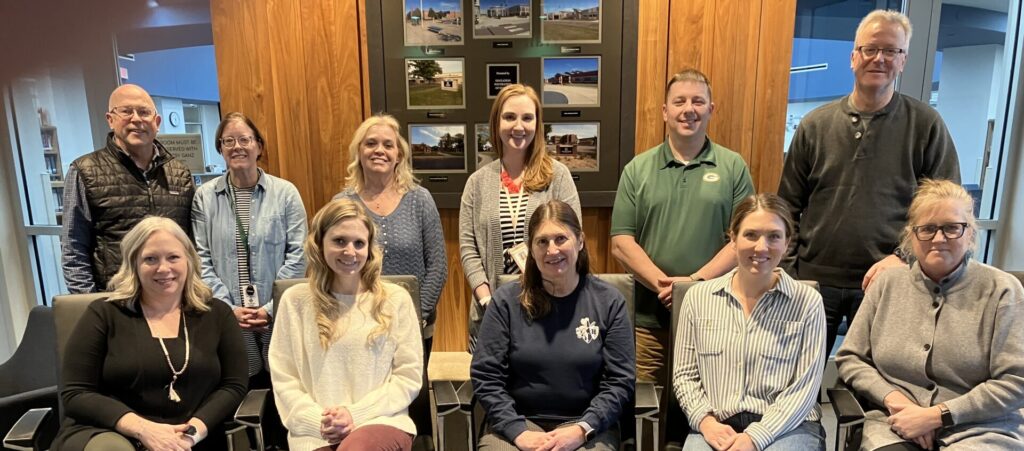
375, 383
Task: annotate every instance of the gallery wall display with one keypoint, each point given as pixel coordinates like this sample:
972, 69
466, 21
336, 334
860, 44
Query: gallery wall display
502, 19
574, 144
571, 81
435, 83
570, 21
439, 78
438, 147
432, 22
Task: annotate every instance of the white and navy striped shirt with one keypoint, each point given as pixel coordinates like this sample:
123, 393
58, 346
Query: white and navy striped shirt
769, 363
512, 233
243, 202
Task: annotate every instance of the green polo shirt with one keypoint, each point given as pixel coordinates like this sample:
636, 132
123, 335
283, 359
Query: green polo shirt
679, 214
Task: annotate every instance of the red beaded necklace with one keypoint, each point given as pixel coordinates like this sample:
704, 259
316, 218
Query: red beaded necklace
508, 183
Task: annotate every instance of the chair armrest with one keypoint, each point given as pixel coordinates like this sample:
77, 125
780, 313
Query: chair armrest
845, 405
465, 393
250, 411
445, 396
34, 427
646, 399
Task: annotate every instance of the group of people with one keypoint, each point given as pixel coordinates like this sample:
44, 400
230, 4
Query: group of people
159, 362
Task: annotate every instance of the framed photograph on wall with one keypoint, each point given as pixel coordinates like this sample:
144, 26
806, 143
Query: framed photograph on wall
571, 81
484, 148
574, 144
502, 19
435, 83
570, 21
432, 22
438, 147
500, 76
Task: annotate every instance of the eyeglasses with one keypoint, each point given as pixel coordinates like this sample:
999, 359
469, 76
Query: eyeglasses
951, 231
126, 112
241, 141
871, 52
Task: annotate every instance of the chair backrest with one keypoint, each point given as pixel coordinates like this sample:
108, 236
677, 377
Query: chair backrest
622, 282
67, 310
410, 283
34, 364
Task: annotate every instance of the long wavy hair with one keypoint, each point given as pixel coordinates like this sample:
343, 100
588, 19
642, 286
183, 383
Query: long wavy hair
126, 287
405, 181
321, 277
535, 301
538, 173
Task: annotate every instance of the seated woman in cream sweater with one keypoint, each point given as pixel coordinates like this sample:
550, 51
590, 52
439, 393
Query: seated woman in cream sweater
346, 358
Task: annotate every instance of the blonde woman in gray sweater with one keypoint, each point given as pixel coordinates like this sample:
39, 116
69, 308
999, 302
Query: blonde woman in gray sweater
500, 197
938, 346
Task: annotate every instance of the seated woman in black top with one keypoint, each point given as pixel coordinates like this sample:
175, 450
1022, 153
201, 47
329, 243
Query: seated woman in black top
158, 363
555, 361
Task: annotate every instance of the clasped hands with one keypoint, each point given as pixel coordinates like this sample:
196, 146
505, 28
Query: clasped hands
336, 424
722, 437
911, 421
566, 438
665, 289
255, 319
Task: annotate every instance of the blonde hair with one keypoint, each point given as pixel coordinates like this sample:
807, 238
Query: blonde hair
929, 193
125, 286
405, 181
321, 277
689, 74
886, 16
539, 171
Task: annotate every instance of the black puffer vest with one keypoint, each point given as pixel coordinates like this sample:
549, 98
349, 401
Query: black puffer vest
120, 195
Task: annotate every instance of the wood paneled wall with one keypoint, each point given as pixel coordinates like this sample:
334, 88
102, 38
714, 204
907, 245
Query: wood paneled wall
298, 68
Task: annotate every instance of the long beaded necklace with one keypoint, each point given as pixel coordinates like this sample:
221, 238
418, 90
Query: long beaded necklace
171, 393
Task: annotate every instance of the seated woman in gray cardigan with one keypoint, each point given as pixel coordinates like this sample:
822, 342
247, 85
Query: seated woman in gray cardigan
500, 197
938, 346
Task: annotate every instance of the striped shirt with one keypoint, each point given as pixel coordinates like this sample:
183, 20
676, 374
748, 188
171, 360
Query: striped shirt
769, 363
257, 343
513, 230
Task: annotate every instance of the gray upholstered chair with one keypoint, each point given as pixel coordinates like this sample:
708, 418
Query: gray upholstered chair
28, 380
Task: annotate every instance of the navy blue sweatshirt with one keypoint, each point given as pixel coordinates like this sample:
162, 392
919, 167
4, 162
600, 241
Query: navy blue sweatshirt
576, 363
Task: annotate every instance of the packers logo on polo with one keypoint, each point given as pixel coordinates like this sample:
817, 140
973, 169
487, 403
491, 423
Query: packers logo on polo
711, 177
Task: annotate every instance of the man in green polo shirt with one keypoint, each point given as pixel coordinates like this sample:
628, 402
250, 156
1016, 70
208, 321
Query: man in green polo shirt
672, 212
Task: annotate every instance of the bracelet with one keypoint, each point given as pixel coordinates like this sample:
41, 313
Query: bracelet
697, 278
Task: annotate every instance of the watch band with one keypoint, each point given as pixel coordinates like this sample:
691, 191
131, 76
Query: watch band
588, 431
947, 416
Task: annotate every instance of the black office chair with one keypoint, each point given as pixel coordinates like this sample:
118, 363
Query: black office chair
36, 429
28, 380
646, 398
412, 285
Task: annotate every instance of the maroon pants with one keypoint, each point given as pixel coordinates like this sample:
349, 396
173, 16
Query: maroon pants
375, 437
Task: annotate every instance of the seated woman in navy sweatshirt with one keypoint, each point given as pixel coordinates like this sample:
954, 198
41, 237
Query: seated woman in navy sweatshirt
555, 361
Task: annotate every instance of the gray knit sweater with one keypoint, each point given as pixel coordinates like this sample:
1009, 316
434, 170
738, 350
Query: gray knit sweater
480, 224
413, 244
958, 342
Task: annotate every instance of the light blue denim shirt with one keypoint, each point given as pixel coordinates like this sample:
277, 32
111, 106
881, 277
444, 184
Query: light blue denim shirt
277, 229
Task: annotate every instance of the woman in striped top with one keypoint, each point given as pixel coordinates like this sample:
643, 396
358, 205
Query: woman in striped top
500, 197
750, 345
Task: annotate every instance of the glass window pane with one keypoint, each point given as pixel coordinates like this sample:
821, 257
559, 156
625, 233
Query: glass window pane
969, 88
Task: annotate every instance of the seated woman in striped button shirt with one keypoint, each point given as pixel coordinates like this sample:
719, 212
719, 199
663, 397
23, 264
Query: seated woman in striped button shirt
750, 347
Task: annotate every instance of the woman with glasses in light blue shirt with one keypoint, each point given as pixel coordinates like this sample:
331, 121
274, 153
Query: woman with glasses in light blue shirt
249, 227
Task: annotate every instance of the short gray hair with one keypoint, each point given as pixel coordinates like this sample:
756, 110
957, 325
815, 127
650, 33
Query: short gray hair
887, 16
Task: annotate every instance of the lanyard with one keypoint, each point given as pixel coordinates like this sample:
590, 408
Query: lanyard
242, 232
515, 210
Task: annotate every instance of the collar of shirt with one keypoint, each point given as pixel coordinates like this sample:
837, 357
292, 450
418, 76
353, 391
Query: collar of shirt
221, 183
946, 283
786, 287
706, 156
847, 106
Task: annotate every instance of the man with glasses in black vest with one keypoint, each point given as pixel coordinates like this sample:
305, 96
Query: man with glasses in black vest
110, 190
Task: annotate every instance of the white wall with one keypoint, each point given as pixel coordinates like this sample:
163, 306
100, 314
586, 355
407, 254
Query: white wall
166, 106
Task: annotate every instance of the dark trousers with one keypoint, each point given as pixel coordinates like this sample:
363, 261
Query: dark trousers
839, 303
740, 421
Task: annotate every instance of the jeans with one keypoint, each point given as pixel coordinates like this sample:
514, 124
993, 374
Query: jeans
839, 303
809, 436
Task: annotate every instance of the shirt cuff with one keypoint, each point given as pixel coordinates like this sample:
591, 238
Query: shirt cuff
759, 435
513, 429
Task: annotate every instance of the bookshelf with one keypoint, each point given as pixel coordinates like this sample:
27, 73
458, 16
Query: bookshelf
51, 155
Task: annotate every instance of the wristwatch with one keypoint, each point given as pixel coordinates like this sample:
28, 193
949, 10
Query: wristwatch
192, 433
588, 431
947, 417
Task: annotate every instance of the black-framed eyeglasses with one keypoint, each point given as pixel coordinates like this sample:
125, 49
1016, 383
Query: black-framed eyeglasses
952, 231
241, 141
887, 53
126, 112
